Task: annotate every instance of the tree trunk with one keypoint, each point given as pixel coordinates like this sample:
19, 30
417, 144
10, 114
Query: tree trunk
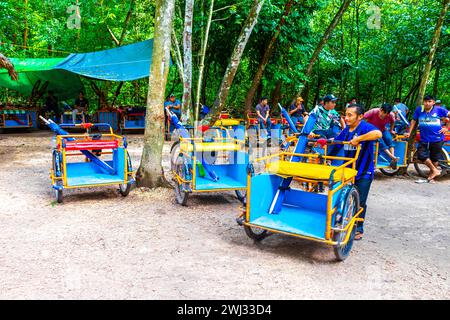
433, 47
102, 99
25, 31
265, 59
238, 50
178, 58
319, 85
436, 81
305, 91
204, 82
127, 21
150, 173
6, 64
187, 47
202, 61
276, 94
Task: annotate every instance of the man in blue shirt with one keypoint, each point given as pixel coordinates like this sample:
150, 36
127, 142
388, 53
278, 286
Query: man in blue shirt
174, 105
361, 132
432, 134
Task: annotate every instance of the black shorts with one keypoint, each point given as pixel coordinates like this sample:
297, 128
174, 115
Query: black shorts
430, 150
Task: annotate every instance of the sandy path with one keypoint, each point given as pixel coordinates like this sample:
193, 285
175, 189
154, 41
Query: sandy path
101, 245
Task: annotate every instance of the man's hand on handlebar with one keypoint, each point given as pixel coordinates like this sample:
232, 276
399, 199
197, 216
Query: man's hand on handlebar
355, 141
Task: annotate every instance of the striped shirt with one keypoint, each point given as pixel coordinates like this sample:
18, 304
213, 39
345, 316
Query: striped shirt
325, 118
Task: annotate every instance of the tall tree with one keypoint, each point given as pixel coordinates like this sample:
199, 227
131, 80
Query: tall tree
202, 60
235, 60
305, 90
150, 173
433, 46
267, 54
187, 46
25, 22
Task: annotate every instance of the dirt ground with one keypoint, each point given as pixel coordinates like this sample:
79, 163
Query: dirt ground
99, 245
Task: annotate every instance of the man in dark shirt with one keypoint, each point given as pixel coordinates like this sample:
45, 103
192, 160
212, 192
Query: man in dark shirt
81, 105
263, 113
298, 112
51, 105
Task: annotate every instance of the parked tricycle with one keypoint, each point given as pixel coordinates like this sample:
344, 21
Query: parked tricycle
92, 170
274, 206
212, 163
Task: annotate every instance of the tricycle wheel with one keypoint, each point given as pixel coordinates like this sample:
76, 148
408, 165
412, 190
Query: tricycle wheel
241, 195
424, 171
389, 172
350, 208
256, 234
124, 189
181, 195
59, 195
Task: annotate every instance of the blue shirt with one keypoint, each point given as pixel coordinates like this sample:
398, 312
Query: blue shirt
365, 161
171, 104
430, 123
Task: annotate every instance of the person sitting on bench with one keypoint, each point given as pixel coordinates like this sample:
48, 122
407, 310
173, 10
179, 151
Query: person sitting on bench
81, 105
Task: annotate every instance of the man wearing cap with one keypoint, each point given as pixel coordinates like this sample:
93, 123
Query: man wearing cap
263, 113
327, 118
174, 105
298, 112
432, 134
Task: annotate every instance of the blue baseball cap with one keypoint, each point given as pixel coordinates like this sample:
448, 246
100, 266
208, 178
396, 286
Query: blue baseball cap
329, 97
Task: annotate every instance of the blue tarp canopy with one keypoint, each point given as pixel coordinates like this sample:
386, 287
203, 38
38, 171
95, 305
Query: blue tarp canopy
126, 63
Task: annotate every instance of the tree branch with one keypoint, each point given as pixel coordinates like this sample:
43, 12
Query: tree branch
226, 7
113, 36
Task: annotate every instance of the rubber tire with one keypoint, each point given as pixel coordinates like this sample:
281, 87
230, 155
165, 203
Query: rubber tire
124, 191
173, 157
181, 197
342, 252
255, 235
390, 173
424, 174
59, 195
